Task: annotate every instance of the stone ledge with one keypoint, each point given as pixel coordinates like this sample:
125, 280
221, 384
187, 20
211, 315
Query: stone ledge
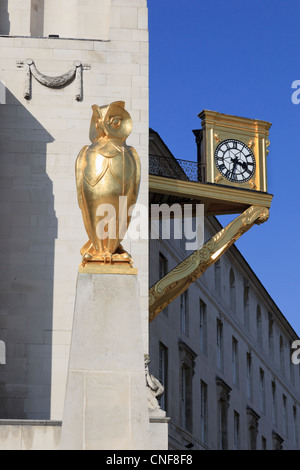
29, 422
159, 420
53, 38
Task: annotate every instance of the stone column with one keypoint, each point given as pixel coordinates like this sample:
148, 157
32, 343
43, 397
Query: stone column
106, 401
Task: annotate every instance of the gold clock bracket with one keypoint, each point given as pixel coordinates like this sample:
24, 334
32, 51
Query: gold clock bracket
217, 199
249, 185
182, 276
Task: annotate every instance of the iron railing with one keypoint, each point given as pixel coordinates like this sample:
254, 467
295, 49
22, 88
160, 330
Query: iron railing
170, 167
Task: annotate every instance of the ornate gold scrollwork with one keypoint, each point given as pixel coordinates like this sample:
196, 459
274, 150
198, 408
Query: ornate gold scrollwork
179, 279
217, 138
218, 178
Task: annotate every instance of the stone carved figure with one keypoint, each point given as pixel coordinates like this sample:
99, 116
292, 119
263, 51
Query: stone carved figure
154, 388
107, 180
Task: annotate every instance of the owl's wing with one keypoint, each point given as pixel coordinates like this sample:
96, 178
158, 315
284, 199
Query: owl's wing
138, 170
79, 174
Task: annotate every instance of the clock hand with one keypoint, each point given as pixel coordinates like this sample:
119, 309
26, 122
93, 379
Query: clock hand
234, 161
242, 164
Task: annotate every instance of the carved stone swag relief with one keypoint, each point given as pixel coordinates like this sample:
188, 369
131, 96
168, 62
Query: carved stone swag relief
56, 82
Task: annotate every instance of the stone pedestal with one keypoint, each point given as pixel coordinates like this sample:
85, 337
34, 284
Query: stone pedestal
106, 401
158, 429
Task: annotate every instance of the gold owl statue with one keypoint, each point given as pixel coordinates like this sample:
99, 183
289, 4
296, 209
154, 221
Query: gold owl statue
107, 180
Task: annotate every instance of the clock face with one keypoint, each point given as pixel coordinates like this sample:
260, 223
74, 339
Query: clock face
235, 160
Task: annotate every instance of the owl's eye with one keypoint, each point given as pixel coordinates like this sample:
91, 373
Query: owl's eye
115, 121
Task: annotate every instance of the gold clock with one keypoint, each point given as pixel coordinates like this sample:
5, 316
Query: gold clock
234, 150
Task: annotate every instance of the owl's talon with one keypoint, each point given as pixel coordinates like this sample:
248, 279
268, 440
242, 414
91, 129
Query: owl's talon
107, 258
86, 257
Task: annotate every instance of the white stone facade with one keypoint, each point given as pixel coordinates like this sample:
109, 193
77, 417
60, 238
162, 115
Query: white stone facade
41, 225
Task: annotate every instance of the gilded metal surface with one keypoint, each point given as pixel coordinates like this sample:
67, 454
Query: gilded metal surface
106, 170
99, 267
179, 279
217, 138
215, 198
217, 128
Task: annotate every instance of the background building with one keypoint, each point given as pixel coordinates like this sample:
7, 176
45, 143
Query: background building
222, 349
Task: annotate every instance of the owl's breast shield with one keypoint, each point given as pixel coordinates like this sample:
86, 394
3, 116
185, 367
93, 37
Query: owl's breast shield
107, 179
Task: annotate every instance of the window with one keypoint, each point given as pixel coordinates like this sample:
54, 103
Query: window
258, 325
271, 335
235, 364
222, 416
262, 390
285, 416
292, 367
246, 304
163, 265
281, 354
217, 268
252, 418
295, 426
236, 430
187, 361
220, 352
163, 271
185, 392
249, 375
223, 395
203, 327
184, 325
274, 404
163, 375
232, 290
204, 416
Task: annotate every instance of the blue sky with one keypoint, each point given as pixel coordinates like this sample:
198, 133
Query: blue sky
237, 57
